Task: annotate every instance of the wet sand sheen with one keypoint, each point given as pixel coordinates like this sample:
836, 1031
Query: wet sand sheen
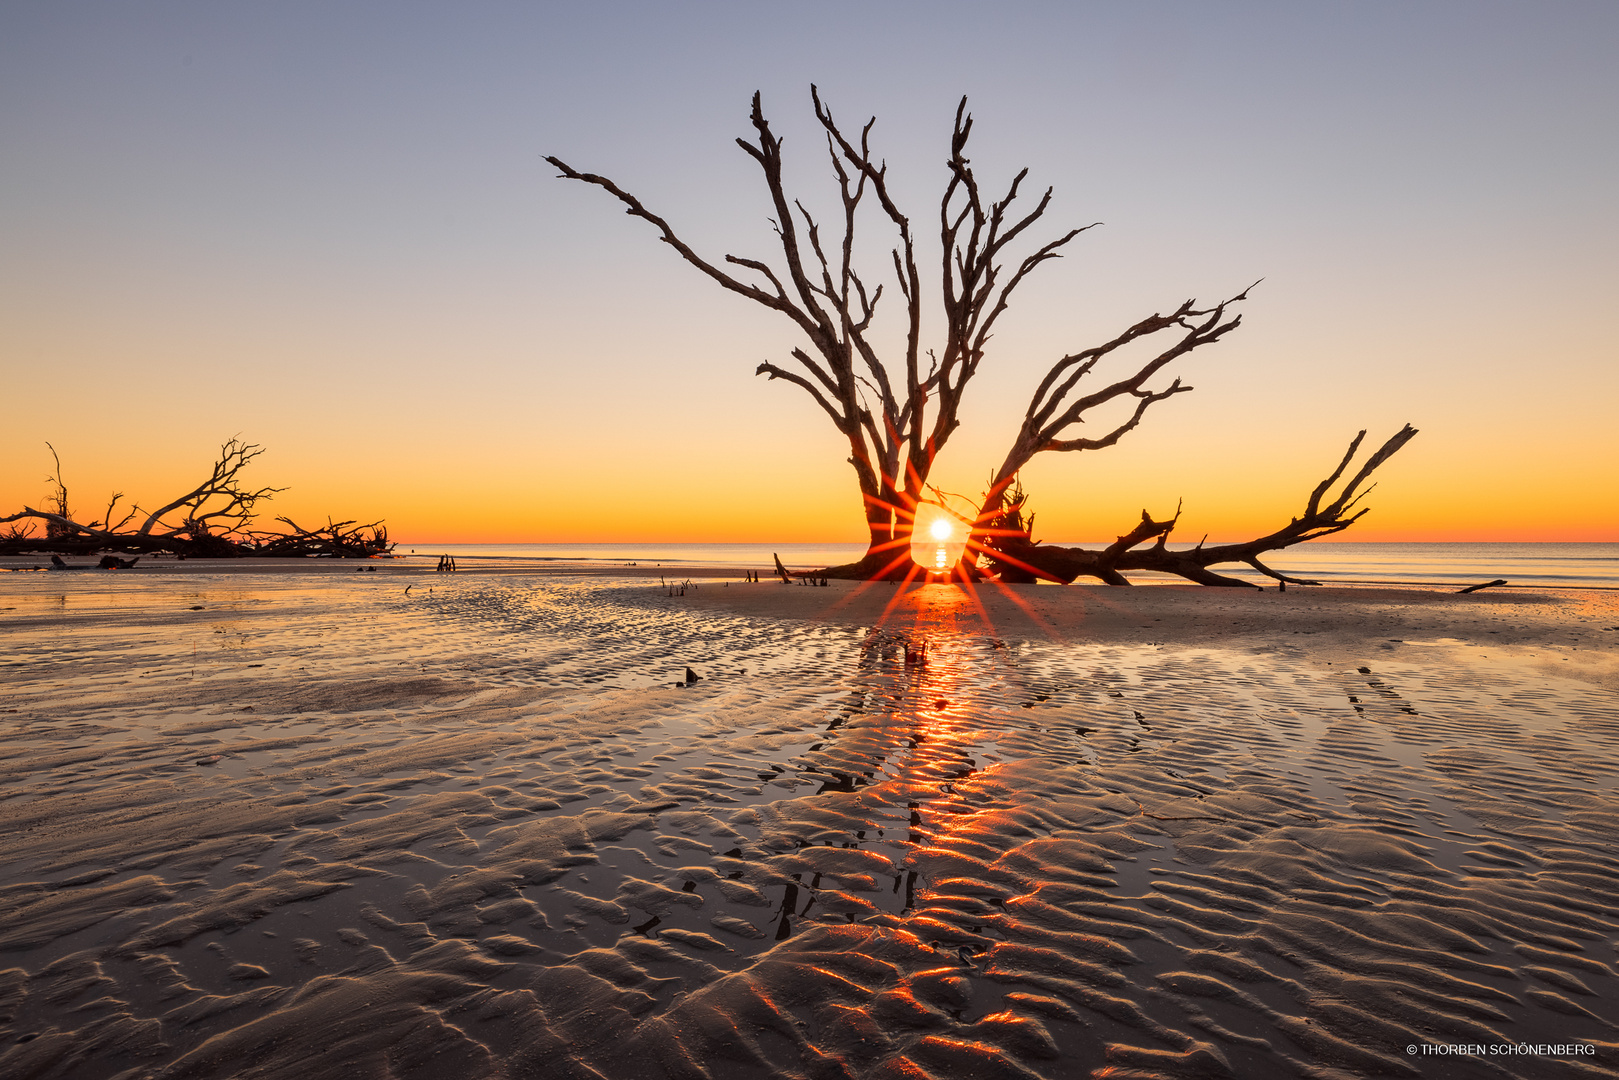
289, 827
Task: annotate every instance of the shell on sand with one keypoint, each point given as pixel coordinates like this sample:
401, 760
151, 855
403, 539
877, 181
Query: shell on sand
306, 826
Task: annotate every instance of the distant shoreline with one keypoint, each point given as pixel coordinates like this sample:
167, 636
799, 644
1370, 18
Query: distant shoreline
418, 565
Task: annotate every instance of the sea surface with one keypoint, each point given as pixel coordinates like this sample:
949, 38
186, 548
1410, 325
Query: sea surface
1563, 565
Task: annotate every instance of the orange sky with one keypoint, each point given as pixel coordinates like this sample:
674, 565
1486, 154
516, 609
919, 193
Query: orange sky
342, 243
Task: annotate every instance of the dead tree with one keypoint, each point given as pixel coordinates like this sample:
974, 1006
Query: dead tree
1013, 556
212, 519
335, 539
219, 506
203, 518
896, 421
896, 424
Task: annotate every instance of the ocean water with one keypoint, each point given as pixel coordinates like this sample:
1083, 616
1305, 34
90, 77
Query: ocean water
1565, 565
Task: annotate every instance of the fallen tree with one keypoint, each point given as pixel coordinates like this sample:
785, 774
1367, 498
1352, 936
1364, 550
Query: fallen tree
335, 540
211, 520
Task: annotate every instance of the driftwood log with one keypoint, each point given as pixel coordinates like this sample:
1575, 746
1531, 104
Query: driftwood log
210, 521
1012, 556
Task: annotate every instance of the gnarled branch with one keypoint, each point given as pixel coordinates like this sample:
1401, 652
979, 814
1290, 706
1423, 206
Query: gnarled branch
200, 504
1051, 412
1016, 557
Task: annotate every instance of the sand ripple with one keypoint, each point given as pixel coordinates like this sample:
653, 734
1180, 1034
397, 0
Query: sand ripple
305, 829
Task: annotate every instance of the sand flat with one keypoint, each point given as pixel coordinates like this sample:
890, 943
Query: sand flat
311, 825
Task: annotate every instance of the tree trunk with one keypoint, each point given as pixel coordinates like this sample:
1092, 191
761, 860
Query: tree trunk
887, 558
888, 543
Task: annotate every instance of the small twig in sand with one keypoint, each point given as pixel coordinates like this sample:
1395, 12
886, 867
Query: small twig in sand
1486, 585
1161, 817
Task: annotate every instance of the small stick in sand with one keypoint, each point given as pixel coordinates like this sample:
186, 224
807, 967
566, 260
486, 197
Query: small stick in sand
1485, 585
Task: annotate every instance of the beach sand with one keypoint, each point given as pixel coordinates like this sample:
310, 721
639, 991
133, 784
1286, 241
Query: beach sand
307, 825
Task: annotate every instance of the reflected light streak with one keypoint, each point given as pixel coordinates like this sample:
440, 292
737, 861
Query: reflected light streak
1027, 609
899, 593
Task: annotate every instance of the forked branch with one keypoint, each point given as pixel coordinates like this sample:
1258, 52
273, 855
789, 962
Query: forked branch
1016, 557
1053, 410
219, 500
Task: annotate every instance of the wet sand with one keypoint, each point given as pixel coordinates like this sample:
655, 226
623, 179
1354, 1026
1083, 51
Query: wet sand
309, 825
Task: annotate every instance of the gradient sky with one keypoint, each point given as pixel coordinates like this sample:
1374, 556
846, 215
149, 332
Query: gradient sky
328, 227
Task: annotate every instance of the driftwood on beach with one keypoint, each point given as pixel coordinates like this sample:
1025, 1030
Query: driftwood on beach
897, 414
212, 520
1015, 557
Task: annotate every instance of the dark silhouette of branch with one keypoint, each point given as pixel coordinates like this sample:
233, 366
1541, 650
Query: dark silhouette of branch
211, 519
335, 539
220, 498
58, 499
1015, 557
1051, 412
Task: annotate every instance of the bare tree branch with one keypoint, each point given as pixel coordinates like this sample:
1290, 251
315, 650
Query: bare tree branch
777, 301
1144, 398
222, 483
775, 372
213, 519
1029, 559
1051, 411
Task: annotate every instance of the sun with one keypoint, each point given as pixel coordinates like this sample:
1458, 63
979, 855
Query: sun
938, 539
